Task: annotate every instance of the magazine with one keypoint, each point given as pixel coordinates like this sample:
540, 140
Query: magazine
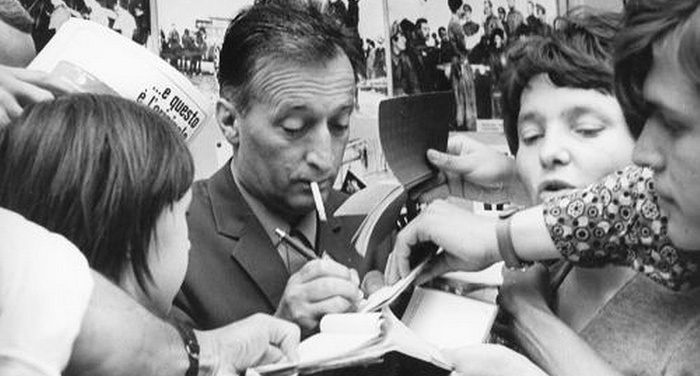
96, 59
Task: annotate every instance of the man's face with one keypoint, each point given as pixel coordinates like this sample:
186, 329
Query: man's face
670, 142
487, 9
511, 4
568, 138
295, 132
467, 14
16, 47
425, 30
442, 33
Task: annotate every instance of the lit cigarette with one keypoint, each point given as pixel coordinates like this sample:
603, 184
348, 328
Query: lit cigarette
318, 200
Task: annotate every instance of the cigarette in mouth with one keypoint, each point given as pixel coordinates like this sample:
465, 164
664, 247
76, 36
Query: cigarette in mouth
318, 200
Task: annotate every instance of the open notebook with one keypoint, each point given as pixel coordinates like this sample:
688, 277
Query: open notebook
349, 339
448, 313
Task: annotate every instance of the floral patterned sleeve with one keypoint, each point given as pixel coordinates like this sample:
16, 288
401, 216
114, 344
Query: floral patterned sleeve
618, 221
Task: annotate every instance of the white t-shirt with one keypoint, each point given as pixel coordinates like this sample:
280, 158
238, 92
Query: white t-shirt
45, 288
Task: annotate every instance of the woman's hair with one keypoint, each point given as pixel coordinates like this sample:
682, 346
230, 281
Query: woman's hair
97, 169
579, 56
646, 22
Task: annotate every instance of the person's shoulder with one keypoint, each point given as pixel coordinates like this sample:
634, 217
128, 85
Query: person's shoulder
17, 231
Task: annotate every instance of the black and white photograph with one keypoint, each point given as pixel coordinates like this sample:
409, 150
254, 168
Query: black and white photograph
349, 187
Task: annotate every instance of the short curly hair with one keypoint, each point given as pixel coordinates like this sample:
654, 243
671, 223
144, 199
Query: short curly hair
580, 56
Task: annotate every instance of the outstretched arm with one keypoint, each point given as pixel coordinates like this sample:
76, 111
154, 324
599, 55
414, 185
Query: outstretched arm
120, 337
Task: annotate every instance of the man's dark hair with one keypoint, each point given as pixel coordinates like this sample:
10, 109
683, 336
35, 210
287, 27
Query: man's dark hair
420, 22
279, 31
468, 8
454, 5
98, 170
13, 14
578, 57
646, 22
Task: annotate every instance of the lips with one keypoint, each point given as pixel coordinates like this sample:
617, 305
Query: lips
323, 185
554, 187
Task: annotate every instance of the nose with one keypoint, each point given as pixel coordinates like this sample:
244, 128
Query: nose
648, 150
553, 151
319, 154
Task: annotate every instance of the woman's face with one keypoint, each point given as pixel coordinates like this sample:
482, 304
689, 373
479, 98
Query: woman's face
568, 138
168, 253
400, 42
670, 142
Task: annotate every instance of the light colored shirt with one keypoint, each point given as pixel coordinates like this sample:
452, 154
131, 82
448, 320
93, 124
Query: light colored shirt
45, 288
292, 259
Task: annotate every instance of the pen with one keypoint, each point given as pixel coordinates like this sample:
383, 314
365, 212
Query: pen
296, 244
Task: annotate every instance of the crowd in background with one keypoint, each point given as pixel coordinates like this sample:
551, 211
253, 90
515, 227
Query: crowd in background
421, 58
131, 18
186, 52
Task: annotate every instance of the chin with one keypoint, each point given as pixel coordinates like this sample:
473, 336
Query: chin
683, 236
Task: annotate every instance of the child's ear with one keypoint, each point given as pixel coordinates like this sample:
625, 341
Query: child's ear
227, 117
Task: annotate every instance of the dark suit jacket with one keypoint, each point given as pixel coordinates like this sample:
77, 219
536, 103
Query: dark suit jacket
234, 269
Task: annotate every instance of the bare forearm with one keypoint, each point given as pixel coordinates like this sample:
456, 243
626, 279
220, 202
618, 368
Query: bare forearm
555, 347
531, 237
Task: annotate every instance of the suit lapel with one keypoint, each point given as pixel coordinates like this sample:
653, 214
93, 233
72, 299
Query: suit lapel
253, 249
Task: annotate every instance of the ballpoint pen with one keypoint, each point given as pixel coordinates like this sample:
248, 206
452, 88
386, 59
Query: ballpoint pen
296, 244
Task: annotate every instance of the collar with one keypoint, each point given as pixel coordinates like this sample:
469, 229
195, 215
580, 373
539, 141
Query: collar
270, 221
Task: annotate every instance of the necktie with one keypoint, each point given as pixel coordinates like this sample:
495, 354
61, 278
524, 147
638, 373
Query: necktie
302, 238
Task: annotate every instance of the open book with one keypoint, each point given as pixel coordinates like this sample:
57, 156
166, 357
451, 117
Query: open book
96, 59
408, 127
349, 339
450, 312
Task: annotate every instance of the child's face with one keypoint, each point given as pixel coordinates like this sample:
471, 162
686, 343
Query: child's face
168, 253
568, 138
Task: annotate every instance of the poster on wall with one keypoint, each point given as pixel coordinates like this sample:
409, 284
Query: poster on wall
131, 18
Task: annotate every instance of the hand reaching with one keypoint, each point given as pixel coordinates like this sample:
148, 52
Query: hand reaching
477, 172
256, 340
21, 87
468, 240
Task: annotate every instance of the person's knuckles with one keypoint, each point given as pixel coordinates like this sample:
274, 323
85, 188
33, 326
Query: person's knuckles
335, 304
323, 288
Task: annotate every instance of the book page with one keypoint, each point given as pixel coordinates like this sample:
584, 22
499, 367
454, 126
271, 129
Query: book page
355, 339
448, 321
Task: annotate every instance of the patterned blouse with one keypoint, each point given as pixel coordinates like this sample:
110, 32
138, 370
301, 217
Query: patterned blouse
618, 221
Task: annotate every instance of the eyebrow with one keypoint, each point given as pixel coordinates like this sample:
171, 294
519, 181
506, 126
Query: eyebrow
282, 110
577, 111
531, 117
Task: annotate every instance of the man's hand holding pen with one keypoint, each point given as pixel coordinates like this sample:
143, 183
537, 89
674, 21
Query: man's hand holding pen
320, 287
